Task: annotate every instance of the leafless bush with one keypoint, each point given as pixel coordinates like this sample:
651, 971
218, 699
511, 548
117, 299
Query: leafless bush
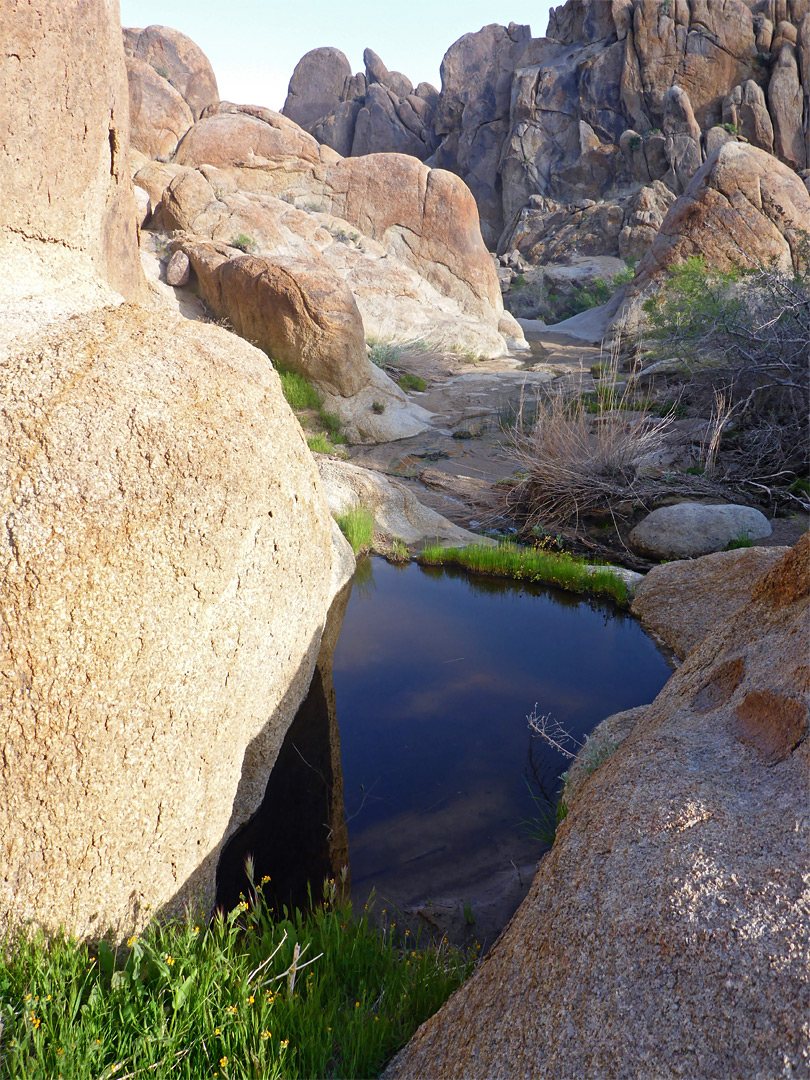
581, 455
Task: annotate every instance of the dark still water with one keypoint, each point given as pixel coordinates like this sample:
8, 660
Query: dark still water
435, 673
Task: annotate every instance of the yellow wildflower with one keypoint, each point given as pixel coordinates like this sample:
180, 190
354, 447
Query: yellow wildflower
131, 941
223, 1063
250, 1000
169, 959
232, 1009
266, 1034
216, 1031
285, 1043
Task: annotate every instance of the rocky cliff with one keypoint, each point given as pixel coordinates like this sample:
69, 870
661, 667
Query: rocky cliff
167, 553
580, 130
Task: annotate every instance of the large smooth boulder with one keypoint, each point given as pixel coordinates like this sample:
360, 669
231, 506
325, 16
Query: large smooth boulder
316, 86
742, 207
299, 311
161, 513
426, 218
665, 934
745, 109
64, 131
680, 602
686, 530
176, 58
158, 114
246, 136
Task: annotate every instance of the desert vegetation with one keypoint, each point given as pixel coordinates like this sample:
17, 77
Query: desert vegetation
251, 993
743, 338
733, 349
307, 404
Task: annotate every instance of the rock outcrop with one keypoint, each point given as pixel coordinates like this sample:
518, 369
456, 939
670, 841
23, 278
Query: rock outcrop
378, 111
167, 555
680, 602
616, 97
159, 115
665, 934
71, 190
742, 207
403, 237
179, 61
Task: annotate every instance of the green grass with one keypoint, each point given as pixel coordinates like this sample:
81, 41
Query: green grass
298, 392
301, 396
411, 382
357, 525
194, 1000
320, 444
741, 540
530, 564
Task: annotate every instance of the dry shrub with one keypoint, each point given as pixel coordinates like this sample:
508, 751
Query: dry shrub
581, 456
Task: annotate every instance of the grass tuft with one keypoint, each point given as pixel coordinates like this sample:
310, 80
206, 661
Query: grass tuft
357, 525
320, 444
411, 382
298, 392
250, 994
530, 564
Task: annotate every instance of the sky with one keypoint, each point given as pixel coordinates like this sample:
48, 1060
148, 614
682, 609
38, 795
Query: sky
253, 46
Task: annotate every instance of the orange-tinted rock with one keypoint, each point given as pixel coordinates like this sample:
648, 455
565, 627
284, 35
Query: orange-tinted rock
743, 207
177, 59
299, 312
64, 129
158, 114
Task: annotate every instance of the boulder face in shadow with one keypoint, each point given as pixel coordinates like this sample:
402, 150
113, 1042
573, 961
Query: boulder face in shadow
665, 933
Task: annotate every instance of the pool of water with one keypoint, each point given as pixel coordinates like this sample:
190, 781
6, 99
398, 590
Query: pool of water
435, 673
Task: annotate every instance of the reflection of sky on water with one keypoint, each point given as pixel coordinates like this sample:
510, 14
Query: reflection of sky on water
436, 672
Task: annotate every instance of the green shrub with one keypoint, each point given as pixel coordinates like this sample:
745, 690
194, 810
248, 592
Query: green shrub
744, 338
519, 282
741, 540
244, 243
635, 142
411, 382
250, 994
384, 354
357, 525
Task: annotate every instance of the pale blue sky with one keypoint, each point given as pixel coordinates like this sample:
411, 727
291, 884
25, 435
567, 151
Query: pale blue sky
254, 46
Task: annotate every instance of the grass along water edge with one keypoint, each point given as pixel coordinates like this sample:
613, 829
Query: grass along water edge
531, 564
251, 994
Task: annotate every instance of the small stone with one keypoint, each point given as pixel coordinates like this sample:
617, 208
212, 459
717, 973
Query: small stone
178, 269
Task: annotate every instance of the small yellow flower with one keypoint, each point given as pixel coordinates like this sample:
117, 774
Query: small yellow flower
59, 1050
232, 1009
98, 1042
243, 904
48, 998
216, 1031
266, 1034
250, 1000
169, 959
195, 930
285, 1043
265, 879
35, 1020
357, 1004
131, 941
27, 997
223, 1063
